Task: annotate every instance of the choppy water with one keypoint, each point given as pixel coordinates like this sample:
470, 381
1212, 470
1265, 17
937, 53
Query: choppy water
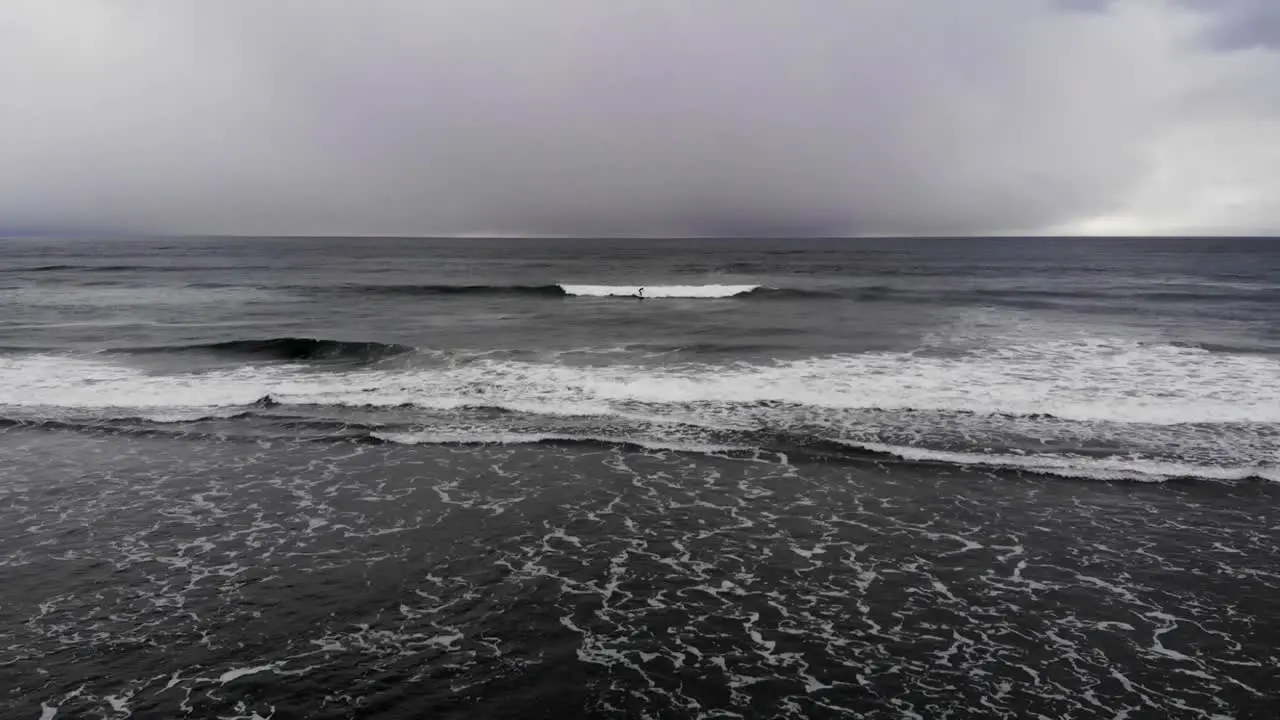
396, 478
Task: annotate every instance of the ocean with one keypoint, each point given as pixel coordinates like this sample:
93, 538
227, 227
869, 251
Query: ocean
491, 478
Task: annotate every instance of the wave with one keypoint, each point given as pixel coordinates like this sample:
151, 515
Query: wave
431, 290
316, 350
658, 291
1061, 465
1225, 348
79, 268
1125, 382
680, 437
787, 445
1061, 406
781, 447
292, 349
1018, 297
536, 438
562, 290
122, 268
1143, 469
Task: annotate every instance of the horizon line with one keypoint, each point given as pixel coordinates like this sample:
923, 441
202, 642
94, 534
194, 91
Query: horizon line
605, 237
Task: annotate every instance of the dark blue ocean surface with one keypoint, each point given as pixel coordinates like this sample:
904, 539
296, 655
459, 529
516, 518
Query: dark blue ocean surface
385, 478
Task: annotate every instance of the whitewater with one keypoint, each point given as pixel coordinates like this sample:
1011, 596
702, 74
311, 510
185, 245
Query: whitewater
1096, 408
658, 291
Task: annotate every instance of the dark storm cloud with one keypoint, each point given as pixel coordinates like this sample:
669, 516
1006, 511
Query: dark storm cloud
577, 116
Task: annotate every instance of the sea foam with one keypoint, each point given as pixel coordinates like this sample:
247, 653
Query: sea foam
1088, 382
1174, 410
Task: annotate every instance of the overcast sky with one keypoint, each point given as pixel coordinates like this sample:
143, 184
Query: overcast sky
702, 117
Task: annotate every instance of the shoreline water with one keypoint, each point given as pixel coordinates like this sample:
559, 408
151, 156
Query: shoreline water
386, 581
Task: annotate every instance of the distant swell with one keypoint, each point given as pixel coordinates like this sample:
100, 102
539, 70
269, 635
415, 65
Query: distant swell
119, 268
1015, 297
285, 348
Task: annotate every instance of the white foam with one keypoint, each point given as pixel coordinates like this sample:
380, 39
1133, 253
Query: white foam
1202, 413
465, 438
520, 438
659, 291
1085, 382
192, 416
230, 675
1066, 465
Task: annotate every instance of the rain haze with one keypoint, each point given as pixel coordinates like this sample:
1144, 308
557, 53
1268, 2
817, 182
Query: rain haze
663, 117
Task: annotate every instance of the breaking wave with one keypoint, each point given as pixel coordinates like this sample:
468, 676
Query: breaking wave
1102, 409
563, 290
909, 294
532, 438
659, 291
290, 349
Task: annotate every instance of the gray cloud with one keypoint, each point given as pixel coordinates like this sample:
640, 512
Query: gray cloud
1240, 24
576, 116
1084, 5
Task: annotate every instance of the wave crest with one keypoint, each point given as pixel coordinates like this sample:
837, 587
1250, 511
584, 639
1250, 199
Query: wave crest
659, 291
569, 290
447, 290
1099, 408
290, 349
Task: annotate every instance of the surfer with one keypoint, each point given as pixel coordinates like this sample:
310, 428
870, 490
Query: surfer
640, 294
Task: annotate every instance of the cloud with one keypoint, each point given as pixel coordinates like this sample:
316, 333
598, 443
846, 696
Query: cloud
635, 117
1240, 24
